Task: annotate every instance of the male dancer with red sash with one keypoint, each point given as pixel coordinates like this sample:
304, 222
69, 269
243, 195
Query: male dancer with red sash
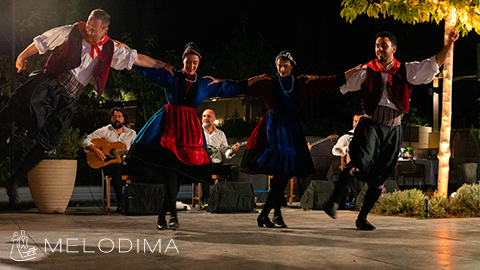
45, 104
386, 86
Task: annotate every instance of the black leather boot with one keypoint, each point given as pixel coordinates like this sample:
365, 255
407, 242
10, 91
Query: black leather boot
278, 222
173, 223
364, 224
264, 221
161, 224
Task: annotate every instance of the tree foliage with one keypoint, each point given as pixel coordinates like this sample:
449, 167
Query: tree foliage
417, 11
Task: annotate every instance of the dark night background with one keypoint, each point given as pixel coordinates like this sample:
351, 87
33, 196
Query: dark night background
238, 34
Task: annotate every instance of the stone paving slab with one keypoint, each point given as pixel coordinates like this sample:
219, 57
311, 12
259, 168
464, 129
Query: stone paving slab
91, 239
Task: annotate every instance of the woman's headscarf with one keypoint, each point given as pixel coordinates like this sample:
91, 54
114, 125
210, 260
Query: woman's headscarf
286, 55
191, 48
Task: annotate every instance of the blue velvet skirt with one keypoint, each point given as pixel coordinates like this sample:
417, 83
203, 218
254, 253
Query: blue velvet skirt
278, 146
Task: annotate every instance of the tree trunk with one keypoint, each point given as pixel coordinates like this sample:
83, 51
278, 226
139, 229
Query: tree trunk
444, 148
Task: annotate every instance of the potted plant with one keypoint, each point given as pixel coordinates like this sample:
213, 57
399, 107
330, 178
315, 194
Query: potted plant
52, 180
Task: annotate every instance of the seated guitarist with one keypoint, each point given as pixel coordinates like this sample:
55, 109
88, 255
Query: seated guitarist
341, 149
116, 131
216, 138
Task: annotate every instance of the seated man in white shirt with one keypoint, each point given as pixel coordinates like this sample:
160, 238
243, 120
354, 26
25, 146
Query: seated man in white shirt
216, 138
341, 149
116, 131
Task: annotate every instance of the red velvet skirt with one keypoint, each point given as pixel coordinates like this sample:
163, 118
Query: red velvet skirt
173, 140
183, 135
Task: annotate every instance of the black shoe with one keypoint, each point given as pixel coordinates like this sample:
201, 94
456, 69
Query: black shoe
205, 202
331, 209
278, 222
264, 221
173, 224
162, 224
364, 224
205, 206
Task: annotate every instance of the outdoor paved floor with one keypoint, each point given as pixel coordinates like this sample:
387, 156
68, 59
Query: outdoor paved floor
233, 241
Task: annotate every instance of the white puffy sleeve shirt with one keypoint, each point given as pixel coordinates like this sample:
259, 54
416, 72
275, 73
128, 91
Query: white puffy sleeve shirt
417, 73
123, 58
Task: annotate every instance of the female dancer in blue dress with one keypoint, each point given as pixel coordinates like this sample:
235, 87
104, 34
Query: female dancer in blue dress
277, 146
172, 140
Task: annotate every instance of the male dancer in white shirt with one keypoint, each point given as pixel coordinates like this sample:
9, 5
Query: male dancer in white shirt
386, 86
82, 53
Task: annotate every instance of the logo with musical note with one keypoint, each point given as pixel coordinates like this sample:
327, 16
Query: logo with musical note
20, 251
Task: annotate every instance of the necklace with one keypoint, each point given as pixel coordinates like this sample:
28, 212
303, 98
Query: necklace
280, 81
191, 80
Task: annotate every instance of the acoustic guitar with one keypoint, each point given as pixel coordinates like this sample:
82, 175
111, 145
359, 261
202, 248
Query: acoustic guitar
331, 137
112, 151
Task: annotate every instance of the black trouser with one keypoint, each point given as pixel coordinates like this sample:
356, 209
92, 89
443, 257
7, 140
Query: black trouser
229, 169
374, 152
114, 170
276, 197
41, 106
38, 105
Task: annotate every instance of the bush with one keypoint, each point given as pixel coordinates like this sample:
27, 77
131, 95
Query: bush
410, 203
69, 145
407, 203
466, 203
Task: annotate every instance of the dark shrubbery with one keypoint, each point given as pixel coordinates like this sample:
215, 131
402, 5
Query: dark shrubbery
410, 203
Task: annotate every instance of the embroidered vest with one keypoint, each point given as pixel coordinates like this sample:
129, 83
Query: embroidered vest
399, 92
68, 56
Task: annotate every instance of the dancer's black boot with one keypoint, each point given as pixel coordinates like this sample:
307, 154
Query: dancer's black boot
371, 197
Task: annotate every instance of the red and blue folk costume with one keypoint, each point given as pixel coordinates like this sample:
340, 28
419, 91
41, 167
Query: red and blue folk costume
173, 138
278, 145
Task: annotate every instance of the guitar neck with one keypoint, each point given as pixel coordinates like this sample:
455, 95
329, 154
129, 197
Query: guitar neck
215, 151
231, 145
319, 141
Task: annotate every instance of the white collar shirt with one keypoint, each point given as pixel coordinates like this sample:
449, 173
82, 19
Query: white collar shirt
123, 58
218, 139
110, 134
